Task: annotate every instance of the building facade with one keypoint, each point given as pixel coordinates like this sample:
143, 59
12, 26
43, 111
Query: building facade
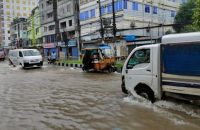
11, 9
34, 29
18, 33
134, 18
66, 43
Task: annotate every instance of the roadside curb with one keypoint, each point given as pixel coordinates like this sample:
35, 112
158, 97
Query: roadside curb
69, 65
119, 70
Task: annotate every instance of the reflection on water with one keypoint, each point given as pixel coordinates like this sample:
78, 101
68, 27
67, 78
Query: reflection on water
56, 98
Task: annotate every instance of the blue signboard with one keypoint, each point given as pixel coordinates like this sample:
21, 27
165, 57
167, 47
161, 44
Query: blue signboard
71, 43
130, 38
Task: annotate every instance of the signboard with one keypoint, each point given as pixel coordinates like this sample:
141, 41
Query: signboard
130, 38
49, 45
72, 43
62, 55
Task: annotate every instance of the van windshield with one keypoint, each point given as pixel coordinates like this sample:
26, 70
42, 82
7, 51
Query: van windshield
31, 53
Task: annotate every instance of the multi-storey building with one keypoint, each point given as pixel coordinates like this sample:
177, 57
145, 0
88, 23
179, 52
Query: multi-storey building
34, 29
62, 24
18, 33
11, 9
134, 18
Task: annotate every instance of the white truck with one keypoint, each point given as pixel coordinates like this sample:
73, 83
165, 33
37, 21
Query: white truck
170, 68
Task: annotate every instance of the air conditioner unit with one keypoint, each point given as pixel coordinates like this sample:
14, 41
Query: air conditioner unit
132, 24
106, 22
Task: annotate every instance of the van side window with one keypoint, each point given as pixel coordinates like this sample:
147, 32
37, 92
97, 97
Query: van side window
20, 54
139, 57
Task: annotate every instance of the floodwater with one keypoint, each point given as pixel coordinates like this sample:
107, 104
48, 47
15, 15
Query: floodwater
57, 98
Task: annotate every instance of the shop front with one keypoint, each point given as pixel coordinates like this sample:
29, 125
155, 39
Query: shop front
50, 48
69, 49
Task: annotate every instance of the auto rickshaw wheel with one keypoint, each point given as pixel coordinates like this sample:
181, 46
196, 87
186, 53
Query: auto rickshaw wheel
110, 69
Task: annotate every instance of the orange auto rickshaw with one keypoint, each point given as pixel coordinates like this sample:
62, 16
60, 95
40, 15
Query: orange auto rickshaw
98, 58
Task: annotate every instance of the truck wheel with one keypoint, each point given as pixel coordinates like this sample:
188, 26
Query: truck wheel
146, 93
123, 87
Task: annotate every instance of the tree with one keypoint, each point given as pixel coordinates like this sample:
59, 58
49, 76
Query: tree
184, 17
196, 16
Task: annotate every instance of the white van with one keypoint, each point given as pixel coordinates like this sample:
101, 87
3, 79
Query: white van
171, 68
26, 58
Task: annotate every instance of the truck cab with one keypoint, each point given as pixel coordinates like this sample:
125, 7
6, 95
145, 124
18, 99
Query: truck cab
141, 71
171, 67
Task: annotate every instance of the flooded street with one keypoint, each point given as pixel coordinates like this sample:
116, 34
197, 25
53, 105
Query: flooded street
57, 98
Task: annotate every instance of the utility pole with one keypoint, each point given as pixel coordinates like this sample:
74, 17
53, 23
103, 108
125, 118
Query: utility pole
114, 24
56, 20
55, 15
78, 27
101, 21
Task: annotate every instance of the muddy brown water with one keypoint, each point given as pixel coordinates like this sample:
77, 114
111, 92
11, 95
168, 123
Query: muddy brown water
57, 98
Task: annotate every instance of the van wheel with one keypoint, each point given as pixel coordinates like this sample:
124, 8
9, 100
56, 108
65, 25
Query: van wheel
146, 93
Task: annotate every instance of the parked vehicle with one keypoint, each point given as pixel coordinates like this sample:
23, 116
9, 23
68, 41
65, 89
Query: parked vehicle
26, 58
171, 68
2, 54
98, 58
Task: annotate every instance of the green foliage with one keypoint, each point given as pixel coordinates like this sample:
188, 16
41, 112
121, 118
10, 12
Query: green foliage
196, 16
184, 17
168, 32
71, 61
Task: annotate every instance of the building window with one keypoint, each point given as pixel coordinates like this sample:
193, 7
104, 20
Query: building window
125, 4
52, 38
184, 1
147, 8
70, 23
69, 8
110, 8
81, 16
37, 30
86, 14
103, 10
51, 27
155, 10
135, 6
118, 5
92, 13
63, 25
173, 13
49, 15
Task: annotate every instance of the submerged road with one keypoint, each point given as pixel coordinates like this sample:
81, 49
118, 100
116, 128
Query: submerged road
57, 98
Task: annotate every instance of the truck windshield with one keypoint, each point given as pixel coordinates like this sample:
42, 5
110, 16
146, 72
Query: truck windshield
31, 53
139, 57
